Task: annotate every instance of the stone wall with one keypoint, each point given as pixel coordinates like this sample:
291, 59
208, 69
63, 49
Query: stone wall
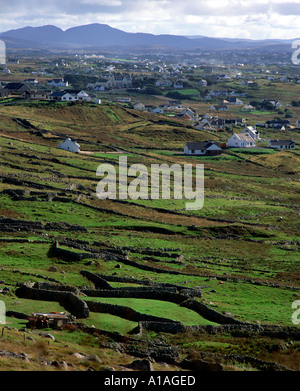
124, 312
166, 295
99, 282
154, 285
68, 300
236, 330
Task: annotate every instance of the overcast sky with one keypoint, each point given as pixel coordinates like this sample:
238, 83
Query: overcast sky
259, 19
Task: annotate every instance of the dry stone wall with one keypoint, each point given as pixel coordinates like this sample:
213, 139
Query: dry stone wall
68, 300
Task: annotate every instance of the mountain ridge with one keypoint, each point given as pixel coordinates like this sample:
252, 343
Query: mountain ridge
103, 35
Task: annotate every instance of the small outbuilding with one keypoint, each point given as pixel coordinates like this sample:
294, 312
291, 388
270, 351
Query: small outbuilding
70, 145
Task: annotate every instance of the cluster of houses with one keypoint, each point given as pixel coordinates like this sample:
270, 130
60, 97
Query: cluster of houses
71, 96
63, 95
232, 100
111, 80
247, 138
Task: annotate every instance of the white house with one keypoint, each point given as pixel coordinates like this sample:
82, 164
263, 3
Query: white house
204, 125
248, 108
163, 83
123, 100
275, 103
69, 96
158, 110
234, 101
178, 84
70, 145
189, 114
62, 96
202, 83
253, 133
58, 83
221, 107
31, 81
242, 140
204, 148
79, 94
139, 106
282, 144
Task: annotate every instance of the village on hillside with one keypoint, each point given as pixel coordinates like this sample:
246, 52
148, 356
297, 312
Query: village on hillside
149, 213
235, 97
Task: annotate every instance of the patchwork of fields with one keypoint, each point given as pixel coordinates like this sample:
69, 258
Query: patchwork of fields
240, 251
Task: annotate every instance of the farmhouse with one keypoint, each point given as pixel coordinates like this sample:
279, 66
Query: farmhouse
253, 133
60, 96
70, 145
69, 96
58, 83
189, 114
158, 110
202, 83
248, 108
138, 106
123, 100
204, 125
218, 122
36, 95
78, 94
249, 83
122, 80
99, 86
282, 144
163, 83
219, 107
205, 148
275, 103
234, 101
242, 140
16, 88
178, 84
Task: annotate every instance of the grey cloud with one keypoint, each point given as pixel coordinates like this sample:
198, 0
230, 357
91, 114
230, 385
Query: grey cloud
290, 8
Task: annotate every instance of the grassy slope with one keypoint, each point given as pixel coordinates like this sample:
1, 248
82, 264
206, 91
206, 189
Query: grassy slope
247, 228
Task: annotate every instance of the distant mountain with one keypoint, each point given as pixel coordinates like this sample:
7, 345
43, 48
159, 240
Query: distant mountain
101, 36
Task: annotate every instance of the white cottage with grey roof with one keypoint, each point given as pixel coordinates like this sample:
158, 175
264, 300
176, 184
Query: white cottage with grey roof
282, 144
241, 140
203, 148
70, 145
